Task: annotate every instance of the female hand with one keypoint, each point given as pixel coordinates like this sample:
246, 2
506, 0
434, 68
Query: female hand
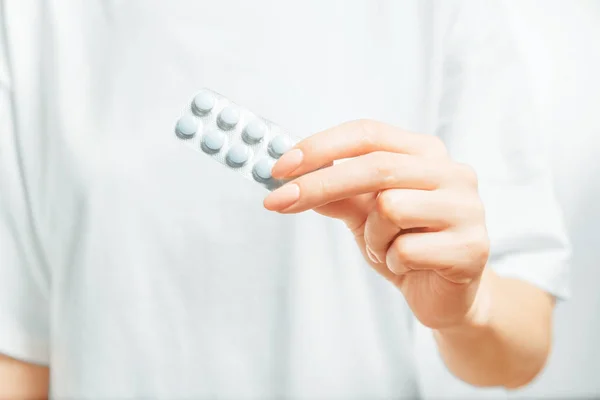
416, 214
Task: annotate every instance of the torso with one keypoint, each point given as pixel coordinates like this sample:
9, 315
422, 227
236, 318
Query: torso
168, 278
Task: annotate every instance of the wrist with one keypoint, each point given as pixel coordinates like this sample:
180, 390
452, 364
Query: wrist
479, 319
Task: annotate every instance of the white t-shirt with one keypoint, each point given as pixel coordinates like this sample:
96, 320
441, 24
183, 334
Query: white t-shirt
137, 268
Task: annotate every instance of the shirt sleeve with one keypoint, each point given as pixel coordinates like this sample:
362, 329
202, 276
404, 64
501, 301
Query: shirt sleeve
487, 118
24, 300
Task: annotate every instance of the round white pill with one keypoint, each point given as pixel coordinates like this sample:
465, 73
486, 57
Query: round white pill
203, 102
262, 169
254, 132
228, 117
238, 155
213, 141
279, 145
186, 126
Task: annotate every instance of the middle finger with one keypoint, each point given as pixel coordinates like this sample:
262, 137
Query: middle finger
365, 174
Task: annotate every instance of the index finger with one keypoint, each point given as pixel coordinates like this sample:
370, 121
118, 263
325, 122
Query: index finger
352, 139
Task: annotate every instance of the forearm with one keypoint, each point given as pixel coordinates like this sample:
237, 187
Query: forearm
21, 380
509, 344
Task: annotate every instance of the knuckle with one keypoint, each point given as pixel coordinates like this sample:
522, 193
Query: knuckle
368, 130
435, 173
436, 146
403, 253
478, 246
484, 246
468, 174
478, 209
385, 203
366, 125
392, 206
467, 206
385, 167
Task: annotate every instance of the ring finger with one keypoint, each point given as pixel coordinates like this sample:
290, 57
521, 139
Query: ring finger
403, 209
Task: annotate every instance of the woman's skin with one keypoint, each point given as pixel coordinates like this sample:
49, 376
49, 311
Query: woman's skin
21, 380
419, 222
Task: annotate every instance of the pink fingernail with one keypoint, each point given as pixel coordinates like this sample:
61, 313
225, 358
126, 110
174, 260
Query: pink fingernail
283, 197
372, 255
288, 163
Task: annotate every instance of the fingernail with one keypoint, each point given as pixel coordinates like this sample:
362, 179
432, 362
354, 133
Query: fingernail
287, 164
372, 256
283, 197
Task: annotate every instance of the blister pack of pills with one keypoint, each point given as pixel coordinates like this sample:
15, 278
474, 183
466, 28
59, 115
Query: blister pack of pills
234, 136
